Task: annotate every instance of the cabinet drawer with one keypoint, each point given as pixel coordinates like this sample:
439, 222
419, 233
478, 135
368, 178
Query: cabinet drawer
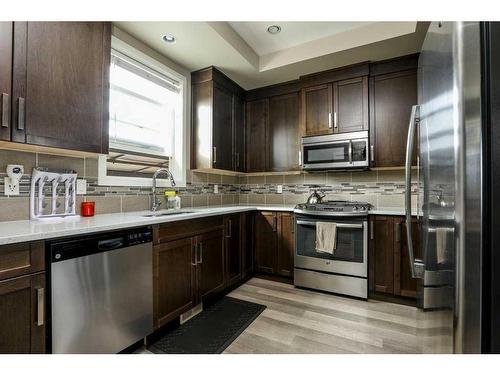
21, 259
186, 228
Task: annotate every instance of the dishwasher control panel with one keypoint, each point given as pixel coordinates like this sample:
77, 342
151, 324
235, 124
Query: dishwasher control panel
75, 247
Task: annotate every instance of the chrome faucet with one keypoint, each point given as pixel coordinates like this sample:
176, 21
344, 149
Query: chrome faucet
156, 202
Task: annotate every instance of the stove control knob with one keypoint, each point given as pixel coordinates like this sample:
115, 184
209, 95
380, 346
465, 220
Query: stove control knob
355, 208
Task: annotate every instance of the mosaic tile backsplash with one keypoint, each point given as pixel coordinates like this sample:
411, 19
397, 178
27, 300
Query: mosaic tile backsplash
380, 188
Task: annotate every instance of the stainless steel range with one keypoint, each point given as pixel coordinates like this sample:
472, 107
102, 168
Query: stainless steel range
346, 270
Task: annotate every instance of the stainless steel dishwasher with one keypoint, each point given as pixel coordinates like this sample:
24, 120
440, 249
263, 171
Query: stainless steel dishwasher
101, 294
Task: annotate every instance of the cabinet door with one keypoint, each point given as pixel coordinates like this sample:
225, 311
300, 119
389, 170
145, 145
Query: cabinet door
350, 105
381, 258
232, 236
317, 110
222, 142
266, 242
22, 315
284, 143
247, 234
61, 90
392, 96
256, 140
286, 247
239, 134
210, 263
173, 279
404, 284
6, 29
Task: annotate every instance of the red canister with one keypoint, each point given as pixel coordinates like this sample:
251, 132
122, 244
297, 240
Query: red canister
88, 208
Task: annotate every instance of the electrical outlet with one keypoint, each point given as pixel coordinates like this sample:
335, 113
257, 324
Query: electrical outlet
9, 188
81, 186
279, 189
216, 189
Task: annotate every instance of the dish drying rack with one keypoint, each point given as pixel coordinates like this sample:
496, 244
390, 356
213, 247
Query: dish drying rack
60, 181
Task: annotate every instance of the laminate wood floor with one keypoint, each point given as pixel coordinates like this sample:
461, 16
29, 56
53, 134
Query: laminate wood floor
309, 322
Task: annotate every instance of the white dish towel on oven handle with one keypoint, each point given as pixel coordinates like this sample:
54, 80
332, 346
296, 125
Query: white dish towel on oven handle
326, 237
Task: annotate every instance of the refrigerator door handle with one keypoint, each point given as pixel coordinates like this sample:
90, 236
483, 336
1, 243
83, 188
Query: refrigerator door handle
416, 265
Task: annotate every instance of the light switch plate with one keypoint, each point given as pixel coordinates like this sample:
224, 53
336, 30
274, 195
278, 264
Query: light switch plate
10, 189
216, 189
279, 189
81, 186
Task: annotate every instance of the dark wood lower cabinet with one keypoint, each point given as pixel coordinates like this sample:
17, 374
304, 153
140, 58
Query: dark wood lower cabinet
274, 243
173, 279
266, 242
286, 244
389, 267
233, 247
210, 268
22, 318
247, 244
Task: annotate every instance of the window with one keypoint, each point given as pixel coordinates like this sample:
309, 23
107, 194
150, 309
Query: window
146, 119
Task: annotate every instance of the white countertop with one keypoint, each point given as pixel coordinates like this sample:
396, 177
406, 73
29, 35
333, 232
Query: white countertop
31, 230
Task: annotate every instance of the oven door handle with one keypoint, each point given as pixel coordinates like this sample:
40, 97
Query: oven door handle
339, 225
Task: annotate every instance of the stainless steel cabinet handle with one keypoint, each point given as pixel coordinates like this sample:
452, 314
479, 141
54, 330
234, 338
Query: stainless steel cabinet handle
229, 228
20, 113
371, 230
40, 307
201, 252
372, 153
5, 110
350, 151
330, 120
193, 255
397, 235
300, 157
416, 265
215, 155
335, 122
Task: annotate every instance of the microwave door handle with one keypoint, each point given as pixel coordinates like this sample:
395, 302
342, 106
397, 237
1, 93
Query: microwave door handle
416, 265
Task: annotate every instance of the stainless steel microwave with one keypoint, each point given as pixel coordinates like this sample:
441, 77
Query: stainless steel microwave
336, 151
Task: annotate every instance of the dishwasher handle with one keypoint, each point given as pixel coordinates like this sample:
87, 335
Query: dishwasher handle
111, 244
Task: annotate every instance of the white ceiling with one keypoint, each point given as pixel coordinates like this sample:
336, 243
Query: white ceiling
291, 35
254, 58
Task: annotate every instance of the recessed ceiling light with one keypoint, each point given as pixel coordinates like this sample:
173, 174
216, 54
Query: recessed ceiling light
168, 38
274, 29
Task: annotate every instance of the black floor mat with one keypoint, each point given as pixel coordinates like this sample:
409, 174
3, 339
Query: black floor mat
211, 331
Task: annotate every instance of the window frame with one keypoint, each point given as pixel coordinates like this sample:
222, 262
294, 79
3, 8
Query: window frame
179, 161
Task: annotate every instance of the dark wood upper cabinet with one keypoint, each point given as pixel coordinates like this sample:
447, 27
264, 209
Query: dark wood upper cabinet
21, 331
350, 106
381, 270
222, 128
284, 141
173, 279
60, 89
266, 242
239, 133
317, 110
6, 39
393, 92
217, 121
233, 248
286, 246
257, 146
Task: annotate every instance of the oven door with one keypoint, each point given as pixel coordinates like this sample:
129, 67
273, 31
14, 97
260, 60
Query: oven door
335, 154
350, 256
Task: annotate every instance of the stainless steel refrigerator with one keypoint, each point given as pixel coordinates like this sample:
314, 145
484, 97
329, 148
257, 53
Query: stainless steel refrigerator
447, 132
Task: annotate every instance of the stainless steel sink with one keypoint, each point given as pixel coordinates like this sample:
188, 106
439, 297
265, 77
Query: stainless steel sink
167, 213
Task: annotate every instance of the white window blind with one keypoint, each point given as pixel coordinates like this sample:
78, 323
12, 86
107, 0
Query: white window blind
145, 106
